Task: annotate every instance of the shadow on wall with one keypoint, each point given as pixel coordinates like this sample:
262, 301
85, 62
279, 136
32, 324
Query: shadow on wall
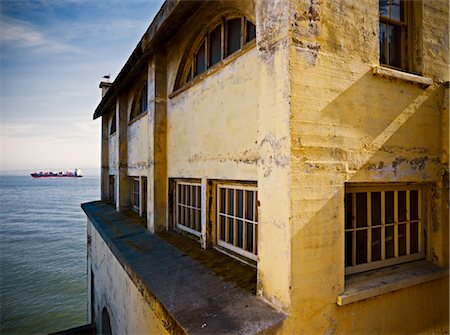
377, 130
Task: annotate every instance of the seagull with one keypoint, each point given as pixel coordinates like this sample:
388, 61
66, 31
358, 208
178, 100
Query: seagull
107, 76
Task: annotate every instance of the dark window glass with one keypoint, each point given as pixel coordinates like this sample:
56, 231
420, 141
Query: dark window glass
222, 200
240, 203
401, 206
384, 7
215, 46
251, 32
414, 205
389, 207
396, 10
376, 208
250, 237
234, 35
250, 205
222, 228
348, 248
230, 231
113, 123
361, 246
389, 242
401, 239
414, 237
240, 233
361, 210
144, 99
376, 244
383, 44
230, 201
348, 211
200, 60
395, 40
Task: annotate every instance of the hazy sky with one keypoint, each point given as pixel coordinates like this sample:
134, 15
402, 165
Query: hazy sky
53, 55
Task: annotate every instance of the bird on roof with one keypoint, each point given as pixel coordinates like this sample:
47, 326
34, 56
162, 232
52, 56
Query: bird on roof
107, 76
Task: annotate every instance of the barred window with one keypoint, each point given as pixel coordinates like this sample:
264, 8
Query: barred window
237, 219
383, 226
188, 207
225, 37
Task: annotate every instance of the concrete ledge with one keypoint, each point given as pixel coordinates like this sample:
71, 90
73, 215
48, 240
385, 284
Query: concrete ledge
187, 296
396, 74
373, 283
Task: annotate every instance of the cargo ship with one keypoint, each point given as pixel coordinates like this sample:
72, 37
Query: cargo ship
49, 174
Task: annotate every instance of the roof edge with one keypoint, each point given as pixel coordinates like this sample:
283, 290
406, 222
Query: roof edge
143, 48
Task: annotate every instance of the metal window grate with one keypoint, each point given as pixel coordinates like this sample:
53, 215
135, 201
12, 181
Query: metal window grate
237, 219
189, 207
382, 227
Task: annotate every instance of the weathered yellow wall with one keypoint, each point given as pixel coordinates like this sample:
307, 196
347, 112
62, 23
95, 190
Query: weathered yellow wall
113, 154
350, 126
129, 312
212, 125
138, 146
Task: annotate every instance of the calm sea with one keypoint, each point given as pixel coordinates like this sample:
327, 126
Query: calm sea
43, 253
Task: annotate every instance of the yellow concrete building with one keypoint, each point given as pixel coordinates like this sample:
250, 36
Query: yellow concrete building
276, 167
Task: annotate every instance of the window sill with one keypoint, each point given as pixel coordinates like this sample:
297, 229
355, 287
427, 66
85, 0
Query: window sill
136, 118
377, 282
396, 74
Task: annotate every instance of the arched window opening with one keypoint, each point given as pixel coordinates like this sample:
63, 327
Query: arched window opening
140, 103
223, 39
106, 322
113, 127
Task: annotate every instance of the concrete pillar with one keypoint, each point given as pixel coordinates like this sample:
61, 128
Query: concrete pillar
274, 168
104, 181
123, 181
157, 109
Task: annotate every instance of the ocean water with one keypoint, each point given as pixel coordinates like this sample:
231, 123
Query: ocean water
43, 282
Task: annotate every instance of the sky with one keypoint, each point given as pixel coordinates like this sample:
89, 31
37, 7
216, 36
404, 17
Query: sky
53, 55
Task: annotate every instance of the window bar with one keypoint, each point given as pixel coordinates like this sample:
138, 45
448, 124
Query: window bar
408, 223
383, 227
353, 228
369, 227
396, 223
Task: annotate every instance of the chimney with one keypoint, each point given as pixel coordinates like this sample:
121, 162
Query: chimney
105, 85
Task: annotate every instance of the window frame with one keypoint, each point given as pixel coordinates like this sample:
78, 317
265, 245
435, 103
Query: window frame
396, 259
226, 245
198, 207
405, 25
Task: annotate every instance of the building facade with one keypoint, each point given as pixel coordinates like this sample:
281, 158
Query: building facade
307, 141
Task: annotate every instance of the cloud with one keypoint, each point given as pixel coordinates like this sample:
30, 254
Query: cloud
20, 34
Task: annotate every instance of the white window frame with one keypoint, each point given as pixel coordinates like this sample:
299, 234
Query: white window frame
233, 247
383, 188
194, 210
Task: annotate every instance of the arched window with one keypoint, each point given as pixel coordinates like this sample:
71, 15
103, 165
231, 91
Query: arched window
139, 103
112, 129
224, 38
